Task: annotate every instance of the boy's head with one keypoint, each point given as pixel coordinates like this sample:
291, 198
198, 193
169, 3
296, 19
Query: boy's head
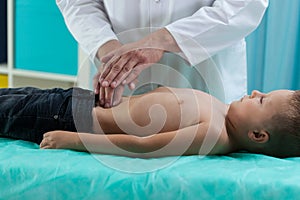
267, 123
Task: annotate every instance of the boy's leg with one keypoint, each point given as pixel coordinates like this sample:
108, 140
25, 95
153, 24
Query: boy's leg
30, 112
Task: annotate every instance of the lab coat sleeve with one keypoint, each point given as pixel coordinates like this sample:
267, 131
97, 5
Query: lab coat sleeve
88, 23
212, 29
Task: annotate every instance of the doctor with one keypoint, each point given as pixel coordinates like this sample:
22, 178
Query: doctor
202, 38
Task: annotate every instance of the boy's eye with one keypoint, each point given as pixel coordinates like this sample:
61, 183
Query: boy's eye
261, 100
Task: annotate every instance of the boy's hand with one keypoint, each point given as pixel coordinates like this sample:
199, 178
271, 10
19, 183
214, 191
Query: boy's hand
60, 140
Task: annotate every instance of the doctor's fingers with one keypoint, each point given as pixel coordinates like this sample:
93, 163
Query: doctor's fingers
101, 96
129, 70
132, 79
132, 84
109, 94
96, 83
96, 79
113, 96
107, 68
121, 69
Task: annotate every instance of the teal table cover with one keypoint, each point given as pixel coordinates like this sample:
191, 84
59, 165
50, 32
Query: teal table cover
28, 172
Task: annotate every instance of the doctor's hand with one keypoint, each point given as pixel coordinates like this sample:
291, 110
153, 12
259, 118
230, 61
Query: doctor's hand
102, 51
109, 97
123, 66
124, 63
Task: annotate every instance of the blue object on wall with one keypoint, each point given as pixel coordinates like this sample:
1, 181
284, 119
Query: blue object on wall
3, 31
274, 49
42, 41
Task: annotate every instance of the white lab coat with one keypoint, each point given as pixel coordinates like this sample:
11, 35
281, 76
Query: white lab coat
210, 34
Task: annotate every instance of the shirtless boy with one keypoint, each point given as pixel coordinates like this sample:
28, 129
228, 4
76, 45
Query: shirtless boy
164, 122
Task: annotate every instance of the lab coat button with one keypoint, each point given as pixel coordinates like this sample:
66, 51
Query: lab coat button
157, 1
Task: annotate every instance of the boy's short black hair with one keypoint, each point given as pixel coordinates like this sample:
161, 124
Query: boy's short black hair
285, 130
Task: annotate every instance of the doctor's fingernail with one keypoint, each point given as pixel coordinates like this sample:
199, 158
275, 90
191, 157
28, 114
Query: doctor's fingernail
113, 84
131, 86
105, 84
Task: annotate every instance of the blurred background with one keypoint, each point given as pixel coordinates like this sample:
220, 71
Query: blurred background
36, 48
274, 48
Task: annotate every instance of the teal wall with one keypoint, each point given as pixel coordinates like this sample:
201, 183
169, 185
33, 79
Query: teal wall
42, 41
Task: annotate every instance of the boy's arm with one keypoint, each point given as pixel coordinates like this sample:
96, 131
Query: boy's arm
186, 141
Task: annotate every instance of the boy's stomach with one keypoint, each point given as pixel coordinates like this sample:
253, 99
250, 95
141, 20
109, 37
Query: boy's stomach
162, 110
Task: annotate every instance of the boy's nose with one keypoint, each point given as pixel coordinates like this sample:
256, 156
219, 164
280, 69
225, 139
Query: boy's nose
255, 93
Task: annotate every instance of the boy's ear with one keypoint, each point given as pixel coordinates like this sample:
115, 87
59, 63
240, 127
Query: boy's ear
261, 136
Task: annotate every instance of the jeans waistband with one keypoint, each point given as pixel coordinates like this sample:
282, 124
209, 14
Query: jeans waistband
83, 102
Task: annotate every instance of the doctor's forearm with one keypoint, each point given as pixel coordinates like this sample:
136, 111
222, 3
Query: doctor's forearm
161, 39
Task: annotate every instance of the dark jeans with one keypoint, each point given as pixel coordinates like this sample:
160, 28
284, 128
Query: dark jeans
27, 113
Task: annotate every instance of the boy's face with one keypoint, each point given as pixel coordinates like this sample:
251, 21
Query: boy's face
250, 112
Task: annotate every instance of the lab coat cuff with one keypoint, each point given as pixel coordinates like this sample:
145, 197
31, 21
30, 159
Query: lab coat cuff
104, 39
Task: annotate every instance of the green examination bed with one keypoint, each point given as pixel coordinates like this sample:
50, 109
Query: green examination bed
30, 173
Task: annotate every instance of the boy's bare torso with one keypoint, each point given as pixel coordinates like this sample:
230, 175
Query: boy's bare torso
162, 110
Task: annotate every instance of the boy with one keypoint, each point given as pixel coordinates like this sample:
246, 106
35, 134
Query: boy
163, 122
